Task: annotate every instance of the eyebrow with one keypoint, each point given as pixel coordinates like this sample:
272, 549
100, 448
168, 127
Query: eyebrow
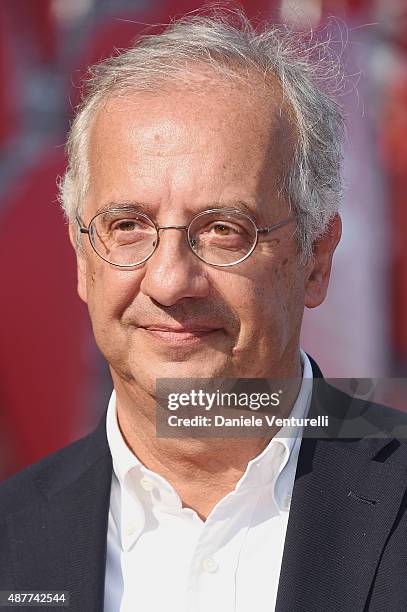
122, 206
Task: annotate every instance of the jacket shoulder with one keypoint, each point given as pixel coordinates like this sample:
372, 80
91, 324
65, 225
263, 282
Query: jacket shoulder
40, 480
367, 423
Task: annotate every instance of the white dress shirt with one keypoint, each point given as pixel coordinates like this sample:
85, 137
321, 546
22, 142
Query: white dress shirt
163, 557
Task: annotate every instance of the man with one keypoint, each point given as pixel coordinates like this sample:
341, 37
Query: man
202, 195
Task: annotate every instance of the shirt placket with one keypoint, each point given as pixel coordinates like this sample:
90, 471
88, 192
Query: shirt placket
214, 564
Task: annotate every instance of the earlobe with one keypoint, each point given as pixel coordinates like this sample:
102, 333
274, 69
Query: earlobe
73, 236
319, 271
81, 266
81, 272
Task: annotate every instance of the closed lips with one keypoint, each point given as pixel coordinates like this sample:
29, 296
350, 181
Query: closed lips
183, 329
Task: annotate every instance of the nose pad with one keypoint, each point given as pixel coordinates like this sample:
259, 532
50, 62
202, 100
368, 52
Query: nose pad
170, 277
177, 227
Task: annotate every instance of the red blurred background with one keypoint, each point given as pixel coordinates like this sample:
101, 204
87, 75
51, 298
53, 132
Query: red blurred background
53, 383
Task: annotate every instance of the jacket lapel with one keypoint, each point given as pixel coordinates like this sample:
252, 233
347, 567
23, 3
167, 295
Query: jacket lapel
60, 544
345, 501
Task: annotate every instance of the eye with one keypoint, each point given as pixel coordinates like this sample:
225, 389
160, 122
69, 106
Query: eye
128, 225
129, 230
222, 230
125, 225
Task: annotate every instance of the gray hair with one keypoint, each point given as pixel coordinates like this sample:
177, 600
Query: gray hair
227, 42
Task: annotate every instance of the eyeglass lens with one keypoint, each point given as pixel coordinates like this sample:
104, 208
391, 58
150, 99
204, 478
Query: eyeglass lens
127, 238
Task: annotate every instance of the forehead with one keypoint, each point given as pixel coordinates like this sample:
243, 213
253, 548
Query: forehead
210, 136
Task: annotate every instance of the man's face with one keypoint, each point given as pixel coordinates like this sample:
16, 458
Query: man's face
179, 153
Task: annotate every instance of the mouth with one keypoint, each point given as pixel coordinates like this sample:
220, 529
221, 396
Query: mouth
182, 334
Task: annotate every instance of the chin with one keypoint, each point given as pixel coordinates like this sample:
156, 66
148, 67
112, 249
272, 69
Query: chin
182, 370
189, 370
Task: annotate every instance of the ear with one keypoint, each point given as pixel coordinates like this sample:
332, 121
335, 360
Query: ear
81, 264
319, 268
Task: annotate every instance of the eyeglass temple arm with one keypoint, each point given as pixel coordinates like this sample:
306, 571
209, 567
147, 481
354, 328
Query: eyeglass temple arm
82, 228
267, 230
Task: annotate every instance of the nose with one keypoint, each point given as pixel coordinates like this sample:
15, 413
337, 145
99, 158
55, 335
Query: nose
173, 272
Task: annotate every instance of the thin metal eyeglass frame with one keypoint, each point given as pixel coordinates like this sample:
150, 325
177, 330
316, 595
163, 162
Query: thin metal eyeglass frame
259, 230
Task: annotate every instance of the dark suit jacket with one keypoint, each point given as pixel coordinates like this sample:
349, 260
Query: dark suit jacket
346, 542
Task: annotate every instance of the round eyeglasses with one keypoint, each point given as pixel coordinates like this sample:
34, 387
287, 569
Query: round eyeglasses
221, 237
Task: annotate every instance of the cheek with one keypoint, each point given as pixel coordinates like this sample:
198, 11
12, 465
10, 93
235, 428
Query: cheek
266, 308
111, 291
272, 299
257, 304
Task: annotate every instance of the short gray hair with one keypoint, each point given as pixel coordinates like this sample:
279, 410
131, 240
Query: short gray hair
226, 41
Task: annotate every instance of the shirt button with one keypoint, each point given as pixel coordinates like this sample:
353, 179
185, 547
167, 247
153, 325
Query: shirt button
209, 565
147, 484
130, 531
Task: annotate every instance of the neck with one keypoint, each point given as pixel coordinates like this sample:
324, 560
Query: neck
201, 470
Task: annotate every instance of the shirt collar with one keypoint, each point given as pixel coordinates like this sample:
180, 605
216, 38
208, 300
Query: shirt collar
282, 450
124, 460
287, 434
